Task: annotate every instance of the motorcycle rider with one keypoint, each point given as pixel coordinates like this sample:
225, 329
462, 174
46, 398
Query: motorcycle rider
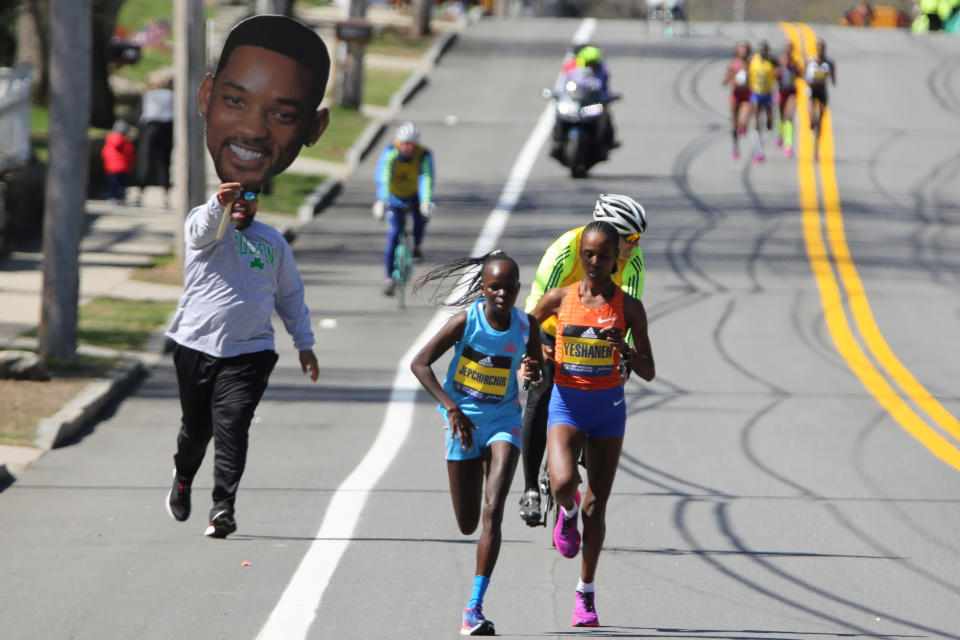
590, 71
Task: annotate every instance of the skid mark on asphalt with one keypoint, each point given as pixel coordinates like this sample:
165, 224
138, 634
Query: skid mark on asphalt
842, 292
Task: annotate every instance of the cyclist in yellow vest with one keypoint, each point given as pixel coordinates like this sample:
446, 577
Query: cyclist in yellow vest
761, 77
559, 267
404, 178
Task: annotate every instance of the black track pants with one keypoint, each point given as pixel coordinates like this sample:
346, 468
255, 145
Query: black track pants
533, 434
218, 397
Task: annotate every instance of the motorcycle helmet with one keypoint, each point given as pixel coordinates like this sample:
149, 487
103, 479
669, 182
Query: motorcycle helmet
588, 55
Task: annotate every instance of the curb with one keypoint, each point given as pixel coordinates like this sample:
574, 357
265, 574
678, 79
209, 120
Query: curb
83, 409
329, 189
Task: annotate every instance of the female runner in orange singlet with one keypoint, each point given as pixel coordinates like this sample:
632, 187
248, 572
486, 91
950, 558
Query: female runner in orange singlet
587, 406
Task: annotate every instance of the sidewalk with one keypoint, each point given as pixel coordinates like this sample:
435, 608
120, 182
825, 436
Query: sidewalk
119, 239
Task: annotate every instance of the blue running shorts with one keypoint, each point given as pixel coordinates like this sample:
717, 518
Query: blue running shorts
506, 431
761, 99
597, 414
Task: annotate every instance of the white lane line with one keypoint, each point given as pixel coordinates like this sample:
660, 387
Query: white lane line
293, 615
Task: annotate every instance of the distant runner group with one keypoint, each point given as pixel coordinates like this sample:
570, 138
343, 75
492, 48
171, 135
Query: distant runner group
752, 80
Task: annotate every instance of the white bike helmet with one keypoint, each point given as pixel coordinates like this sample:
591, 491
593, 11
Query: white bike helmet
407, 132
623, 212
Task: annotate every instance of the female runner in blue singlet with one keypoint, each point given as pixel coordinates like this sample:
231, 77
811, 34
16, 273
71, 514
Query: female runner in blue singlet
479, 398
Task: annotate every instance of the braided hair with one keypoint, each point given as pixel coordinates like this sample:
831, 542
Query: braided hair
466, 276
604, 227
607, 229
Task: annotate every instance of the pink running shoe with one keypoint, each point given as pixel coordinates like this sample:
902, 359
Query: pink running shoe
584, 613
779, 141
735, 155
758, 158
566, 536
787, 152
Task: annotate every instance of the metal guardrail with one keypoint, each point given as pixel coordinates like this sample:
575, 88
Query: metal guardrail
14, 115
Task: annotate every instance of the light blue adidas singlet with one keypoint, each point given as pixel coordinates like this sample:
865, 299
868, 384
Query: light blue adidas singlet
482, 377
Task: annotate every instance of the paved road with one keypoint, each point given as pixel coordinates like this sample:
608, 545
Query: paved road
783, 477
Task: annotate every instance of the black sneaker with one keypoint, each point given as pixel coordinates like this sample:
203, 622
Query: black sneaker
221, 524
530, 507
417, 255
388, 287
178, 500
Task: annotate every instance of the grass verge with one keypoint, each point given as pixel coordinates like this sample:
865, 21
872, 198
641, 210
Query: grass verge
288, 193
394, 41
23, 403
164, 270
379, 85
120, 324
346, 125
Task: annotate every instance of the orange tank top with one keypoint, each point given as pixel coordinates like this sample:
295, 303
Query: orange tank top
585, 360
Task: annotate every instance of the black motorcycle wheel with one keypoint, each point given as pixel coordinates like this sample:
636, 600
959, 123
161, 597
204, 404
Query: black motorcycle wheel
575, 158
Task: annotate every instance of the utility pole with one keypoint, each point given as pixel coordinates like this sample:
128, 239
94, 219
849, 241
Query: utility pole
353, 33
71, 46
189, 162
421, 17
276, 7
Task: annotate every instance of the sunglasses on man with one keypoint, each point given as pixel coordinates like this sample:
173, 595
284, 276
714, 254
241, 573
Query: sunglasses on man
632, 238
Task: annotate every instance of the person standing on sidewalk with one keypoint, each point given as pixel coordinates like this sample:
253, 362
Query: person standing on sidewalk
260, 108
156, 140
404, 178
119, 156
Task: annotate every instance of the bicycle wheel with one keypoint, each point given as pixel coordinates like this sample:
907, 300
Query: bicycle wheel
549, 517
402, 266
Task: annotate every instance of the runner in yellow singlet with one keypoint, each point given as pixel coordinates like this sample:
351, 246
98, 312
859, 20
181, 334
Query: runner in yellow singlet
762, 76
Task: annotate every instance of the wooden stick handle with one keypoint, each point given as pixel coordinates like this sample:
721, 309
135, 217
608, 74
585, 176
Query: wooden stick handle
223, 221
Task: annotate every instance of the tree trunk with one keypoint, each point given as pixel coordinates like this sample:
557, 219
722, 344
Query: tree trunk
70, 53
104, 21
189, 148
33, 47
421, 17
33, 37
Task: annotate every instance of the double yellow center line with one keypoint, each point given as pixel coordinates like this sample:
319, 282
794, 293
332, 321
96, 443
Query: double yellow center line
841, 291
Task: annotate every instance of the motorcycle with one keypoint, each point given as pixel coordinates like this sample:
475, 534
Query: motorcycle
579, 130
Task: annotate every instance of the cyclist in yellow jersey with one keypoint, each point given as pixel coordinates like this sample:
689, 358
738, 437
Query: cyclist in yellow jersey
762, 76
404, 177
561, 266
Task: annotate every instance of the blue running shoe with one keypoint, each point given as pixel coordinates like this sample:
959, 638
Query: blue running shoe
474, 624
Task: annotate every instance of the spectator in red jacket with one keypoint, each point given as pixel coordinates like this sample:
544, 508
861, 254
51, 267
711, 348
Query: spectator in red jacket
118, 159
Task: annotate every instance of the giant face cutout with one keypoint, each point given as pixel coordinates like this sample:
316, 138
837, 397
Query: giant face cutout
258, 114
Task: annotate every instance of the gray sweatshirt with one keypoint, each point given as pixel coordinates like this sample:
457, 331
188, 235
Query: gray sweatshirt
231, 288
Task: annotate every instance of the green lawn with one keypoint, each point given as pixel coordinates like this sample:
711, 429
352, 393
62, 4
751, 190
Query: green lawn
394, 42
122, 324
289, 192
379, 85
134, 14
346, 125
